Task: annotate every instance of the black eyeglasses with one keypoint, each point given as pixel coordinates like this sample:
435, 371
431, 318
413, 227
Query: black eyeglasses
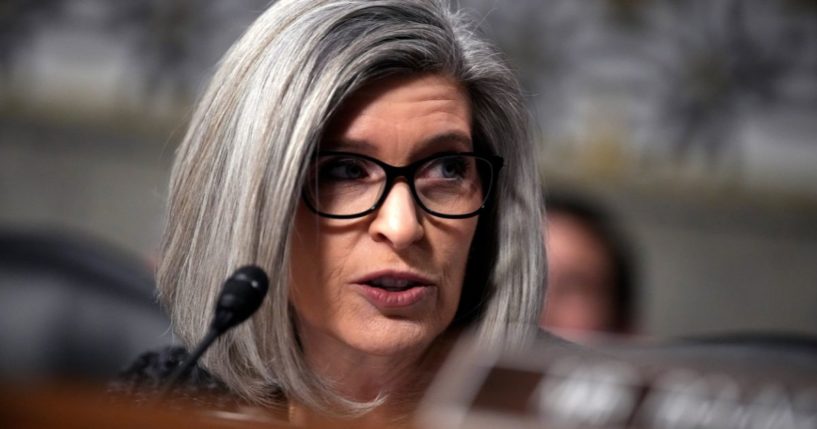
345, 185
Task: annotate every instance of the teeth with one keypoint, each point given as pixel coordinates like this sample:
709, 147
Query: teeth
392, 283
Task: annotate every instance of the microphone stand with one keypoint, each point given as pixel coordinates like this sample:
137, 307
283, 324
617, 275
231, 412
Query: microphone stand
188, 363
241, 296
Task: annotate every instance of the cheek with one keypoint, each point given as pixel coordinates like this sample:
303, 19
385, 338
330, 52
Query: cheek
307, 256
455, 245
318, 254
301, 252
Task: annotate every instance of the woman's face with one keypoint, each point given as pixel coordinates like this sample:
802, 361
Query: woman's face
388, 282
580, 279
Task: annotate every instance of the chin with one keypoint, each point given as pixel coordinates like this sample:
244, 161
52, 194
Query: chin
388, 336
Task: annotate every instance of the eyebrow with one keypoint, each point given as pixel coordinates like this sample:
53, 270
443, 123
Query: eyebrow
452, 137
424, 146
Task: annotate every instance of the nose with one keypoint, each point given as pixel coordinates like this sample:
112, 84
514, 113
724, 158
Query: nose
397, 220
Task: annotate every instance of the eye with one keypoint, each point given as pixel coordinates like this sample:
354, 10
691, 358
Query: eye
448, 167
342, 168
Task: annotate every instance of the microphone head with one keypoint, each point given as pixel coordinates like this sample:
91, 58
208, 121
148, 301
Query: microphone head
241, 296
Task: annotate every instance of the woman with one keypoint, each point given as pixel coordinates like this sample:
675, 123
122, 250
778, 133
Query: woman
591, 278
289, 163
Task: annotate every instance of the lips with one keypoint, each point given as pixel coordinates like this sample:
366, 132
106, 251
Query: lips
393, 289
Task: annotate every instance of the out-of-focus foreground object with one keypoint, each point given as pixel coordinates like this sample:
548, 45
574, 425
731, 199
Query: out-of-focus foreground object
744, 381
70, 407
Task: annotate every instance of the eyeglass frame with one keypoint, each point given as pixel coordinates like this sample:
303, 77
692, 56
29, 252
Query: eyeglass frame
407, 171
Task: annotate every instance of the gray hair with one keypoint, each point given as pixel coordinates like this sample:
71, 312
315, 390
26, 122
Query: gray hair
238, 175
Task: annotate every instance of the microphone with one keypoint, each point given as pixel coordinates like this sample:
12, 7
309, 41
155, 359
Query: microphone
242, 294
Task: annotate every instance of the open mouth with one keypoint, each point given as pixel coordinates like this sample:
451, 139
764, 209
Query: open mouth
395, 290
392, 284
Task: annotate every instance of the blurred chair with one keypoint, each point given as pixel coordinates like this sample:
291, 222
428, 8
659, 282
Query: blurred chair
73, 307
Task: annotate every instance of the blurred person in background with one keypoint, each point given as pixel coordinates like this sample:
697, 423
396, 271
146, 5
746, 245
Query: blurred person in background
590, 285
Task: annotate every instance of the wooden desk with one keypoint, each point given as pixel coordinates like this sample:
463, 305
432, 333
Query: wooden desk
66, 406
70, 407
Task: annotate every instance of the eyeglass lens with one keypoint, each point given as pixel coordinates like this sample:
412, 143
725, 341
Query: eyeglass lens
345, 185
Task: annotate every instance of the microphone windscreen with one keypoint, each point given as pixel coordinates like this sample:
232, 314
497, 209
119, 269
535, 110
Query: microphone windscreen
242, 295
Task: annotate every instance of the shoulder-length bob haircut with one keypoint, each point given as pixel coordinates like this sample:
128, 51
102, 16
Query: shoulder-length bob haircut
238, 175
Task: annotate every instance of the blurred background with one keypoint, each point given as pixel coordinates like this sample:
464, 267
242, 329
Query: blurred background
694, 123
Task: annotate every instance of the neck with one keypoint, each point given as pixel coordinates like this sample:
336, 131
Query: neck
397, 380
365, 377
394, 383
378, 418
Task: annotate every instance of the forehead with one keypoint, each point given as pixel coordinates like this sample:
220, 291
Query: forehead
402, 110
406, 88
573, 244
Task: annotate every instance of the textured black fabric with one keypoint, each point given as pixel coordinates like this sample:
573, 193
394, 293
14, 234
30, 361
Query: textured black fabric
143, 379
